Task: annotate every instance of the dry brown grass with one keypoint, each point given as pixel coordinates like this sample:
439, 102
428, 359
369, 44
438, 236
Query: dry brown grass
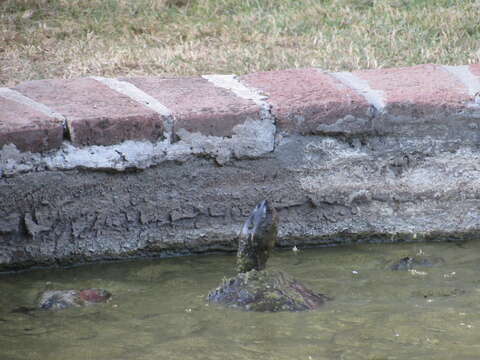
72, 38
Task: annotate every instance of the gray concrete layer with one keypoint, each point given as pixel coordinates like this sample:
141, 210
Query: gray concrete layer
327, 190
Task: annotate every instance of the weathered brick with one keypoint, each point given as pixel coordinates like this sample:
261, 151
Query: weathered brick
419, 91
304, 101
475, 69
28, 129
198, 105
96, 115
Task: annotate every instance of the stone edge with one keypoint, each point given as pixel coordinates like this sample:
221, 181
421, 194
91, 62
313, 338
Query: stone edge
261, 136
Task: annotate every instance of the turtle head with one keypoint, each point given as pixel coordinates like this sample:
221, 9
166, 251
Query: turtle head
260, 218
257, 238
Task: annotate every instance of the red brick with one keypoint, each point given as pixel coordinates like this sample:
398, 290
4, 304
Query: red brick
303, 99
96, 115
475, 69
198, 105
422, 91
27, 128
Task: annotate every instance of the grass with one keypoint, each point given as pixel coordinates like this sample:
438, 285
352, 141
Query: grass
73, 38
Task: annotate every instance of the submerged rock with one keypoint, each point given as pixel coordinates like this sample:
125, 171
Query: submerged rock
254, 288
266, 291
62, 299
443, 291
409, 263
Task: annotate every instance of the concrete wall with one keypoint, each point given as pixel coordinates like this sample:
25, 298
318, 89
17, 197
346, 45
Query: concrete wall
107, 168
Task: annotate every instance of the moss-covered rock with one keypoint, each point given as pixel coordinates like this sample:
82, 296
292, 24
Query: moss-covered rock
266, 291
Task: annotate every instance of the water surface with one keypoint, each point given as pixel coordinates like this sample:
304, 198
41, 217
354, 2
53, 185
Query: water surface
158, 310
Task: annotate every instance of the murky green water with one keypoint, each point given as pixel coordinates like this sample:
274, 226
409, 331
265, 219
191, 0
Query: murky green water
158, 310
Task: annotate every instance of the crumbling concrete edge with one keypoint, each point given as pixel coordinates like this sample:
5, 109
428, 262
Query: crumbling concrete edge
251, 139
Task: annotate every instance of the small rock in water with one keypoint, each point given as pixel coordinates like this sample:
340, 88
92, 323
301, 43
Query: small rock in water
62, 299
410, 263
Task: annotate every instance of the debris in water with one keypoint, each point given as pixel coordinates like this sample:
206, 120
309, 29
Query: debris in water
416, 272
449, 275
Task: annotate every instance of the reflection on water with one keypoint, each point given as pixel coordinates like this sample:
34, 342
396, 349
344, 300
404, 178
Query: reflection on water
158, 309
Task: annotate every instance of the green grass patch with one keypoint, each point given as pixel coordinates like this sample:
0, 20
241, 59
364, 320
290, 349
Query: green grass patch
73, 38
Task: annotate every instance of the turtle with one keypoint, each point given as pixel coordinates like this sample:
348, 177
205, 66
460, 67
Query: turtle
254, 288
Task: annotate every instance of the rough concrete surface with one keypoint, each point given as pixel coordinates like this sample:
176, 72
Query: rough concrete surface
326, 190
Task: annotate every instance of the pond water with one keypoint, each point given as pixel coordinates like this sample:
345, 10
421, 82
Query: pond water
158, 309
